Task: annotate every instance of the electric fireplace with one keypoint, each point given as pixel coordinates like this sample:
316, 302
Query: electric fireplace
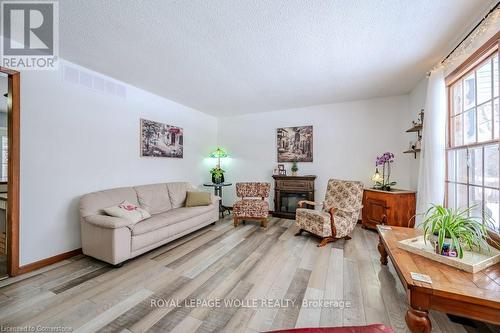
288, 191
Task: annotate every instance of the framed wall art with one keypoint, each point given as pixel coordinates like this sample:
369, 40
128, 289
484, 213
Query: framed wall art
295, 144
161, 140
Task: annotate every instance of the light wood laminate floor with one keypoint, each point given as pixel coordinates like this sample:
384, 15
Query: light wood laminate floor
219, 263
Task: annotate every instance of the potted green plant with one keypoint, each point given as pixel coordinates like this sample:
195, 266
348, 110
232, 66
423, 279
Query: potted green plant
217, 175
294, 168
453, 230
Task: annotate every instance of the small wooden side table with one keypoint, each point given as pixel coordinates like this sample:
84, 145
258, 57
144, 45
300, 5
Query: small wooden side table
218, 192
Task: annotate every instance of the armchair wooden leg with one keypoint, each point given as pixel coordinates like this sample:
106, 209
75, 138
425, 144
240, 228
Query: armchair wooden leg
263, 223
325, 241
299, 232
347, 237
235, 221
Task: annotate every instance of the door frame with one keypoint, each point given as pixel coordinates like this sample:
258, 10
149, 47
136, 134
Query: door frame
13, 174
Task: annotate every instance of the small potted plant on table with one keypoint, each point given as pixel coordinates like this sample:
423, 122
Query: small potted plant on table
217, 175
453, 230
294, 168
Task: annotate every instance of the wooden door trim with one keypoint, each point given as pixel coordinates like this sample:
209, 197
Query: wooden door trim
48, 261
14, 139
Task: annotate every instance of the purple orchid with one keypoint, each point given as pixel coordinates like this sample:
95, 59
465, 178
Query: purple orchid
385, 162
385, 158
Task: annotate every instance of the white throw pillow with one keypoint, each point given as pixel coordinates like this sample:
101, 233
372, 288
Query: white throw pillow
128, 211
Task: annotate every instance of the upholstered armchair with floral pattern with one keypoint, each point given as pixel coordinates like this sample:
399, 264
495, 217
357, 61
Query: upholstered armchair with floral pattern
253, 204
339, 214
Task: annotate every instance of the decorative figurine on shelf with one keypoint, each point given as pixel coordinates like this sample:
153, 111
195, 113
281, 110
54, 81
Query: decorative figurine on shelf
413, 145
218, 172
382, 182
294, 168
420, 120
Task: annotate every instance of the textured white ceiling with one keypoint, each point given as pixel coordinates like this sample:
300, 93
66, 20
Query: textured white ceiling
227, 57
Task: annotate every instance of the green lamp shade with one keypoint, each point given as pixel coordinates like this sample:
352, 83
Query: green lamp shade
219, 153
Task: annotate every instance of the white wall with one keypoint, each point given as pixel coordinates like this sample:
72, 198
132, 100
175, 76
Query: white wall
75, 140
347, 139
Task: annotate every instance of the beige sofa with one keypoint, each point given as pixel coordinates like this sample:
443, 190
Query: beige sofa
115, 240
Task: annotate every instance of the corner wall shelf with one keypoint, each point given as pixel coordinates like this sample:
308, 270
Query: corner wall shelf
412, 151
416, 128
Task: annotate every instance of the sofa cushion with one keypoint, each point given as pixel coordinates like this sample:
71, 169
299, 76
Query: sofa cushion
255, 208
168, 233
154, 198
94, 203
178, 192
194, 199
128, 211
170, 217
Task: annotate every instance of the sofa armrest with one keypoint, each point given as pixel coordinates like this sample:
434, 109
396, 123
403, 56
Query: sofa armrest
301, 203
215, 200
108, 222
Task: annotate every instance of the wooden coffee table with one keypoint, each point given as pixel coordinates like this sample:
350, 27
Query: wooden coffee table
452, 291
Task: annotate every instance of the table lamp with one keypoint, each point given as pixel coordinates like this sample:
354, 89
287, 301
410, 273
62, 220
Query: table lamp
218, 153
377, 178
217, 172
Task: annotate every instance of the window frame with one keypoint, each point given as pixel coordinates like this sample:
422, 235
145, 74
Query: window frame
470, 65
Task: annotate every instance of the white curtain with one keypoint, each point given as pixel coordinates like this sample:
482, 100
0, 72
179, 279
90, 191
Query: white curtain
432, 156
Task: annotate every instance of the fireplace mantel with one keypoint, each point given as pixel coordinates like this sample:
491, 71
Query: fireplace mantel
288, 190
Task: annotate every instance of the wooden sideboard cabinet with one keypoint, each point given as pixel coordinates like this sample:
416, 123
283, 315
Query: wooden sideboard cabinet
396, 208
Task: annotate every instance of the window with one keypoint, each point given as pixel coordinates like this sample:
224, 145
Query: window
472, 172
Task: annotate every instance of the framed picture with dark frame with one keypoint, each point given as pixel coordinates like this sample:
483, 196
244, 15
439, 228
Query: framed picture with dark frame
295, 144
281, 170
